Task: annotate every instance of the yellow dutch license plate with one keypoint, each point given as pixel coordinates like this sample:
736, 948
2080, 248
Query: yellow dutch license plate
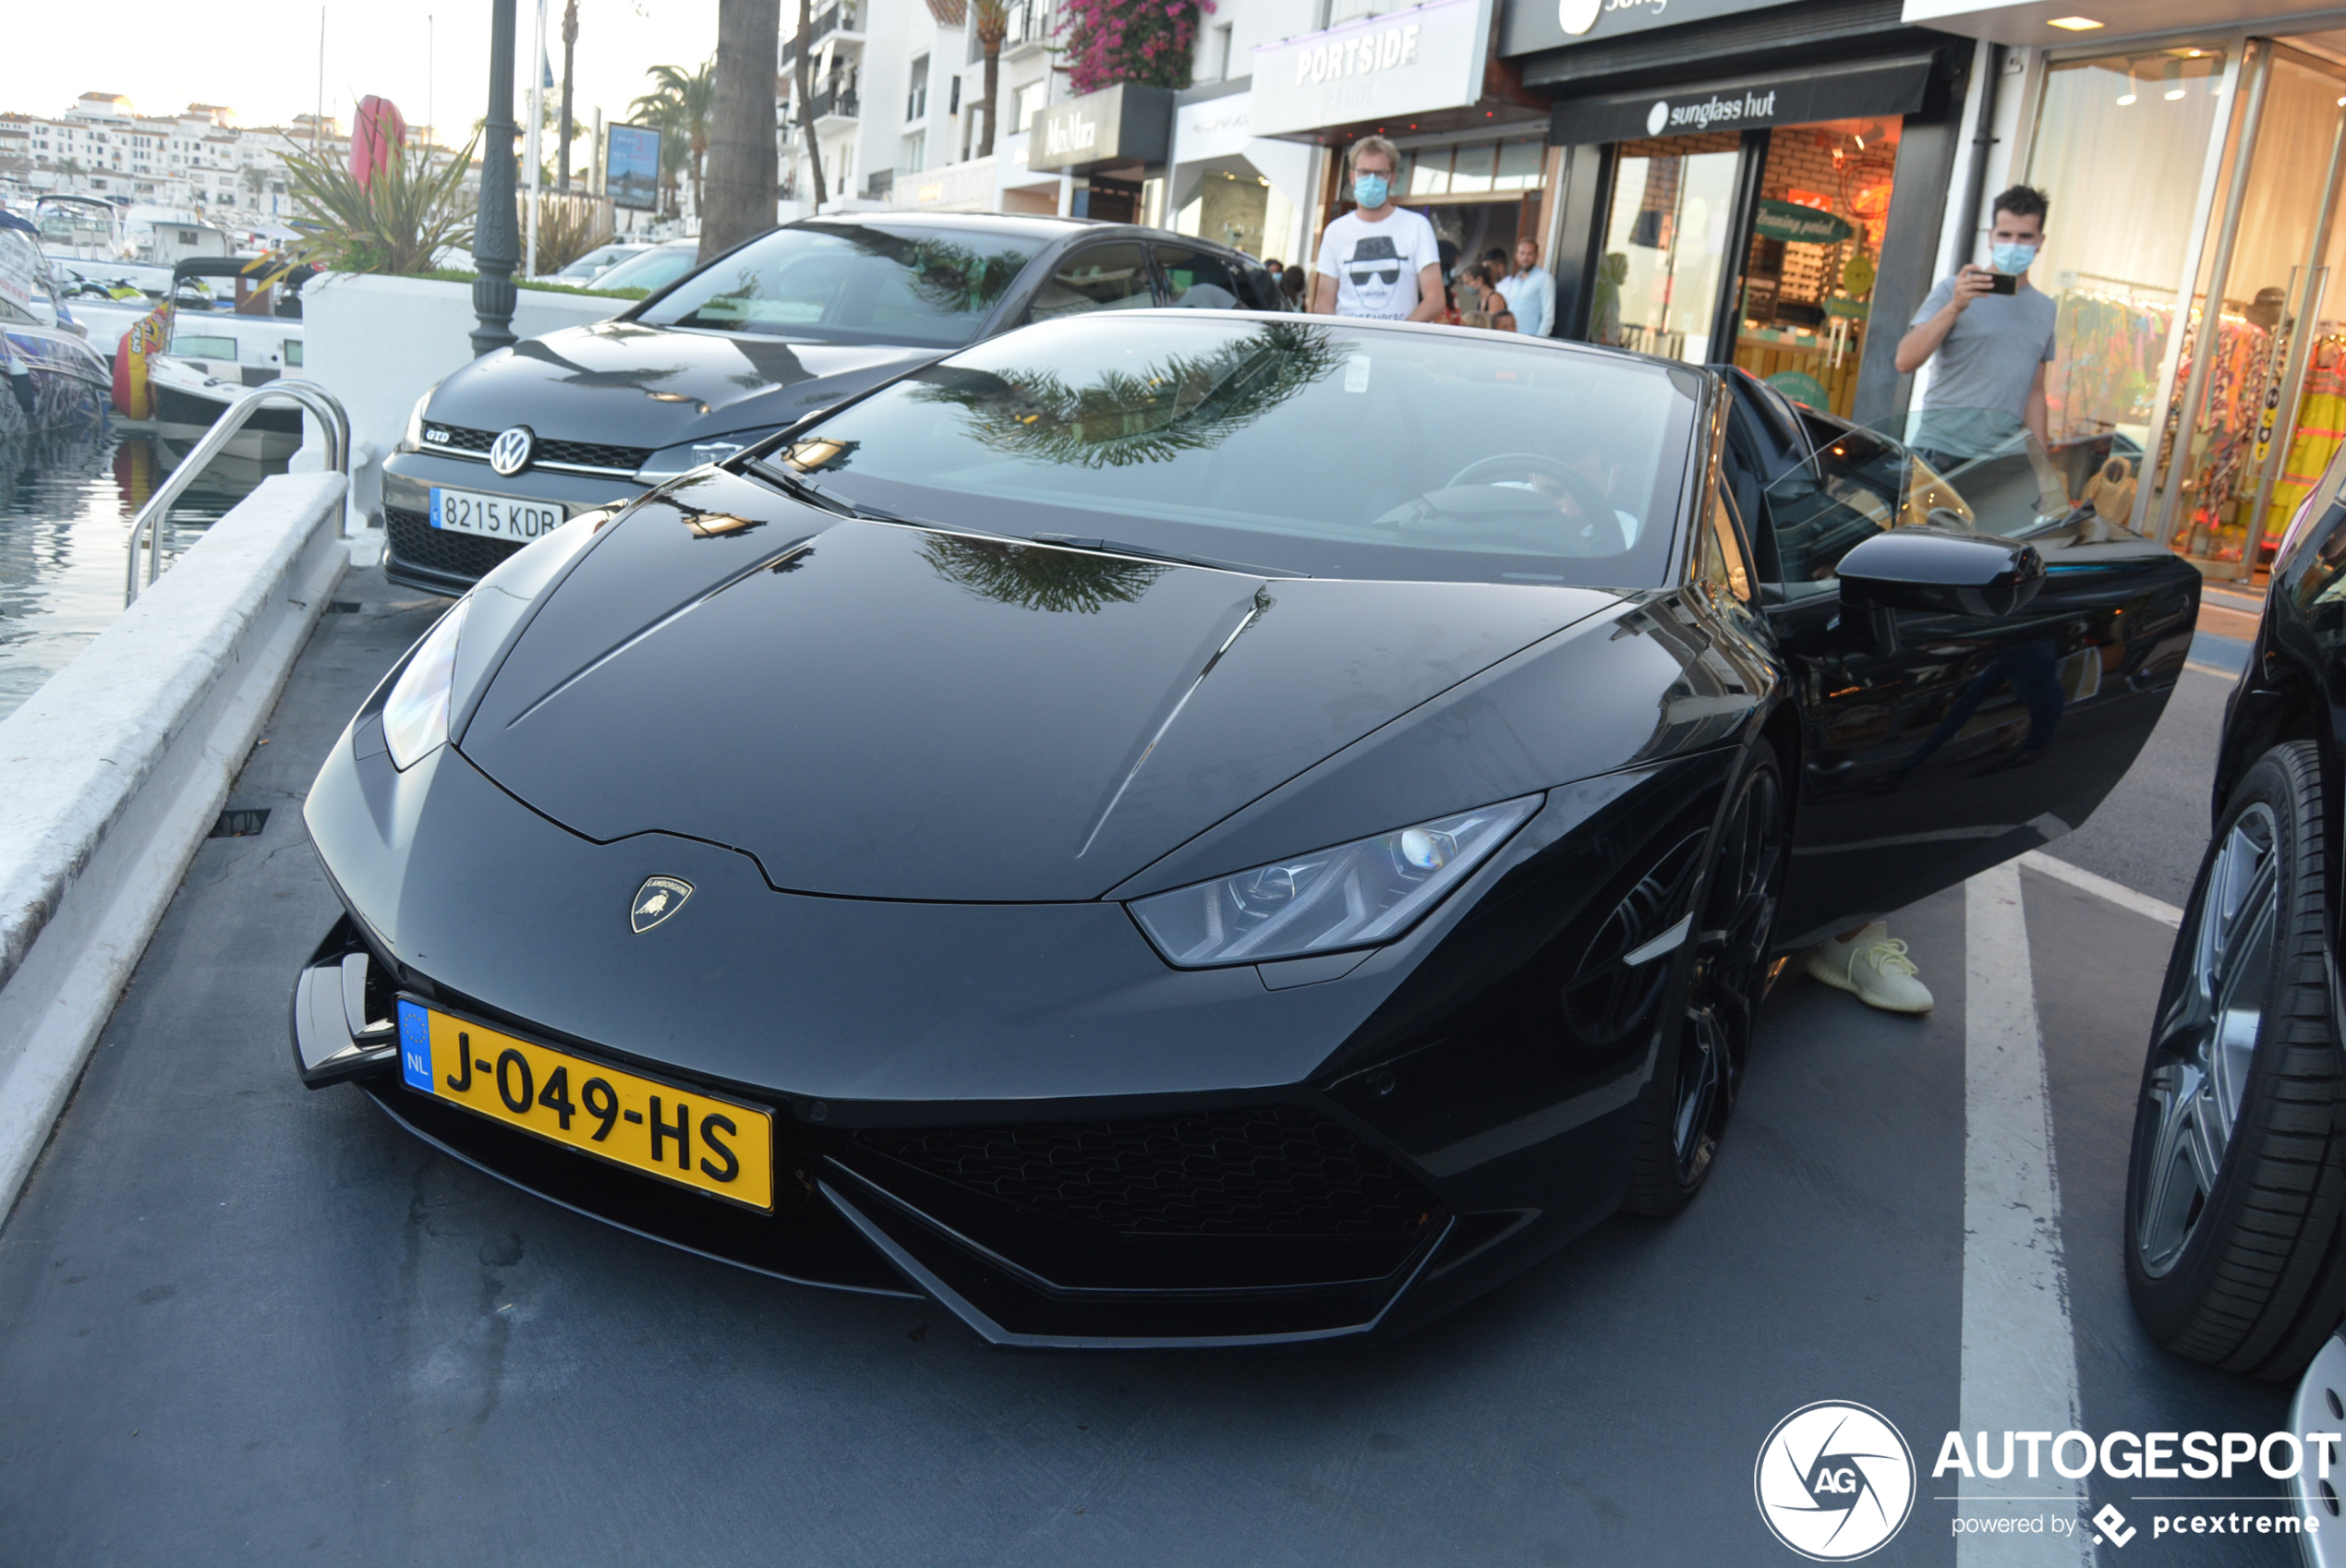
716, 1146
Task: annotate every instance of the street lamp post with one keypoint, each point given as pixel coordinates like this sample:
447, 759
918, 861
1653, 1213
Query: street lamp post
496, 246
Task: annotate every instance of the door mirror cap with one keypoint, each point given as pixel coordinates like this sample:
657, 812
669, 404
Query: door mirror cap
1940, 571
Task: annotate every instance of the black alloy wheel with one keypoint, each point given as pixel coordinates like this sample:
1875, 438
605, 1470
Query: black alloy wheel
2234, 1187
1700, 1070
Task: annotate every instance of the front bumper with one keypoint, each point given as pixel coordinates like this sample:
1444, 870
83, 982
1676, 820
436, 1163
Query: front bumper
442, 562
1020, 1110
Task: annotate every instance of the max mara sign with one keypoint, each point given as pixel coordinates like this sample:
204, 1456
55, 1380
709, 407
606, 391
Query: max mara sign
1402, 62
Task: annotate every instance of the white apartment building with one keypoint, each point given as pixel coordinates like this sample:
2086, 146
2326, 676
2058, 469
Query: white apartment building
199, 160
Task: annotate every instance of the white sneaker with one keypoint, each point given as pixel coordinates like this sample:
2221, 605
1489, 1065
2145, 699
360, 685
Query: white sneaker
1874, 965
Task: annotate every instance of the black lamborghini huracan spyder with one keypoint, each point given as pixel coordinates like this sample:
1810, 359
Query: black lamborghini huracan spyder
1185, 828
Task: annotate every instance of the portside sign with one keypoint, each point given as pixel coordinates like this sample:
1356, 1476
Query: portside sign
1402, 62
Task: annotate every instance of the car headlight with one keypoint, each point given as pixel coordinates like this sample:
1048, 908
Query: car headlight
415, 714
1355, 895
414, 440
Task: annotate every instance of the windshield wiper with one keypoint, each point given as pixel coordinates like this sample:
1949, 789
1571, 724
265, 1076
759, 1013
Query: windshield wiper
1144, 553
815, 496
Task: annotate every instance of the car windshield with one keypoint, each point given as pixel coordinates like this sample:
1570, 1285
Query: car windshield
853, 282
1318, 449
651, 270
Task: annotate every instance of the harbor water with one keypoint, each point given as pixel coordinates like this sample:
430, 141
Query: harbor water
66, 502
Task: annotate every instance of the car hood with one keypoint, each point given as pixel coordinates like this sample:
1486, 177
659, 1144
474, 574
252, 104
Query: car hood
883, 711
624, 384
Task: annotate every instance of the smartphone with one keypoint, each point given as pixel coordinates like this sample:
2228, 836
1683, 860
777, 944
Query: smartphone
2003, 282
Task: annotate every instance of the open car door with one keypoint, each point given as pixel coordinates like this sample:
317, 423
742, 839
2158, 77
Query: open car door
1935, 744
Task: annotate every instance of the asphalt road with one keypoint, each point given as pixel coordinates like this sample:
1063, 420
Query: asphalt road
243, 1323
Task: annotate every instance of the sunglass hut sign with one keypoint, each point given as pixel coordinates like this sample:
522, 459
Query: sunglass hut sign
1667, 116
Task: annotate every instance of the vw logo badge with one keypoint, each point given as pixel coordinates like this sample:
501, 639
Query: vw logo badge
658, 897
511, 451
1834, 1481
1656, 117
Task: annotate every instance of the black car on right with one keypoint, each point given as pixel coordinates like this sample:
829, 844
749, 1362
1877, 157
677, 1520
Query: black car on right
2236, 1184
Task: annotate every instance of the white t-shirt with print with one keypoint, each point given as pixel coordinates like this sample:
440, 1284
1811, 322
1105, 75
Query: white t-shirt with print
1376, 265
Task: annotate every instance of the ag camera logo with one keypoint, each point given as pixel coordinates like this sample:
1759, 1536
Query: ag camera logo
1834, 1481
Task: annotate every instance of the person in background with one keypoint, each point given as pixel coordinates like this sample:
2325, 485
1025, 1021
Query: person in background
1378, 260
1475, 295
1530, 290
1292, 284
1502, 319
1273, 266
1992, 348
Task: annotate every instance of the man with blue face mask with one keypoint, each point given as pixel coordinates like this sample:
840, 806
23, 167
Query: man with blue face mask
1378, 260
1992, 343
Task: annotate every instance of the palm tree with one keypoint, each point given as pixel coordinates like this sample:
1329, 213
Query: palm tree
741, 168
992, 18
805, 84
570, 46
680, 103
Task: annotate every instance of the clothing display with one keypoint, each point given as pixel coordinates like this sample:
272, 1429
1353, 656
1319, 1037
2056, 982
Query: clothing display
2321, 425
2107, 349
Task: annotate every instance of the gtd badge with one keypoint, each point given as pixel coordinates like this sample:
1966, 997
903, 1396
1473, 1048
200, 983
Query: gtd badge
511, 451
1656, 117
1834, 1481
1576, 17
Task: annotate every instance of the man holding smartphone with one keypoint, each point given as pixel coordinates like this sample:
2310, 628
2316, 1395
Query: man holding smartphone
1992, 333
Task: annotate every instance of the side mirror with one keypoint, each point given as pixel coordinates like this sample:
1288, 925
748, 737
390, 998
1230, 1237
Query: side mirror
1939, 571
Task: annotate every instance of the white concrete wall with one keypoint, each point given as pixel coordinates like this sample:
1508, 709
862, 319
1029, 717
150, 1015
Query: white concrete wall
113, 772
376, 343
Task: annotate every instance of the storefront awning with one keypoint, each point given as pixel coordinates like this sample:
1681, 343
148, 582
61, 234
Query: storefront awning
1780, 98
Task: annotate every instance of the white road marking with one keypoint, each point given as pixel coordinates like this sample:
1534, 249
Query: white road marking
2019, 1354
2118, 893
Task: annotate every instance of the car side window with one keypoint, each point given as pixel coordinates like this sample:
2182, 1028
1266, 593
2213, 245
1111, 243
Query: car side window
1099, 277
1719, 561
1199, 280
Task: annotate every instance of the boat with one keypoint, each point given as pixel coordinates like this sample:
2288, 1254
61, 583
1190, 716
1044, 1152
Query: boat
55, 380
84, 228
219, 347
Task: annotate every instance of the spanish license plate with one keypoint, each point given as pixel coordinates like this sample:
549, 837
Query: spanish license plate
700, 1141
493, 517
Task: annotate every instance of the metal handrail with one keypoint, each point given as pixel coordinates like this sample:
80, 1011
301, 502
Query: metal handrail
147, 529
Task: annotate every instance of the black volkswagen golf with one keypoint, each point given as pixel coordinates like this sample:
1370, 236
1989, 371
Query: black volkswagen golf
507, 449
1184, 827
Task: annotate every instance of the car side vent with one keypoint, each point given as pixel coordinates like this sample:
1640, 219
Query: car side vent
1608, 995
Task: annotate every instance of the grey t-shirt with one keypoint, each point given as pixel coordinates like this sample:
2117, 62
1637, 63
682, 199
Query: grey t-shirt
1992, 356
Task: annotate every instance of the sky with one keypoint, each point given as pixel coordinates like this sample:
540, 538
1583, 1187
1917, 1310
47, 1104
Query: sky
265, 66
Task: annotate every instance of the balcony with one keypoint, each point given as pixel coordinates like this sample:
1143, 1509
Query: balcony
1031, 22
836, 109
846, 20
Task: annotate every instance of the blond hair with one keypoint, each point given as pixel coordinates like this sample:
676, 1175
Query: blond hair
1371, 144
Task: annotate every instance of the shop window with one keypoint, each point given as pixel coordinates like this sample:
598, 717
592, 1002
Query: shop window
1105, 277
1523, 159
1807, 298
1033, 98
1665, 242
1471, 167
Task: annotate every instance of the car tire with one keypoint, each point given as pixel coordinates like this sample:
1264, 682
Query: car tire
1714, 1003
2234, 1183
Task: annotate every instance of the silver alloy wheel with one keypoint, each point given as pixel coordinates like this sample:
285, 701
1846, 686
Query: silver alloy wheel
2208, 1038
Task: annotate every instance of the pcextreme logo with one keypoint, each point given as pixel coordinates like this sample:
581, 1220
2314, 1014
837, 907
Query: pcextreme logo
1834, 1481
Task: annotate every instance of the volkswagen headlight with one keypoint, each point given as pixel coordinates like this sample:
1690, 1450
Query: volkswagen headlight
415, 714
414, 440
1355, 895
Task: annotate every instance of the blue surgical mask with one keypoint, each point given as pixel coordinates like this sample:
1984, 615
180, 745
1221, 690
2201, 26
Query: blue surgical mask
2012, 259
1370, 190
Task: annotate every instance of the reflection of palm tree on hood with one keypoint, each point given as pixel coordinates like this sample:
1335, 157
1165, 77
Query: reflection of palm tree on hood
1038, 577
1185, 403
635, 376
